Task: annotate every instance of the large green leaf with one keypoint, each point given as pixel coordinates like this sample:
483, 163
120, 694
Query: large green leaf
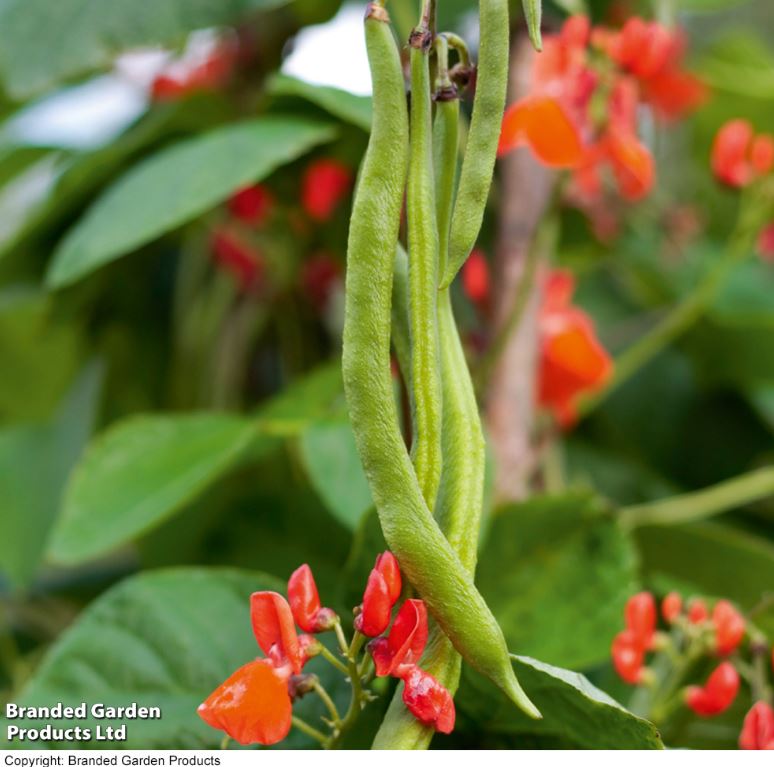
177, 184
34, 464
140, 471
43, 43
144, 469
557, 572
330, 457
714, 558
574, 711
342, 104
165, 638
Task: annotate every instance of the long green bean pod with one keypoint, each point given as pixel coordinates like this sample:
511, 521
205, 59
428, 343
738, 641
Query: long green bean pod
460, 499
481, 148
410, 530
423, 275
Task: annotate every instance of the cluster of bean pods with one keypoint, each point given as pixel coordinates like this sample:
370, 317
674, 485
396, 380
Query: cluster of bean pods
429, 499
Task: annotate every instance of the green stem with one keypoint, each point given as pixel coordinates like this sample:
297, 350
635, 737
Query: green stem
332, 659
312, 732
691, 309
329, 704
358, 698
544, 242
702, 504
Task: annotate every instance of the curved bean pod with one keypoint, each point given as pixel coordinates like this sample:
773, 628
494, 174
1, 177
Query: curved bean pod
481, 148
425, 555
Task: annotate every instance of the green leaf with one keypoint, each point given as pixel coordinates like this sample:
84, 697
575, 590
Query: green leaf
174, 186
556, 573
165, 638
330, 457
43, 43
706, 555
139, 472
142, 470
34, 464
574, 711
342, 104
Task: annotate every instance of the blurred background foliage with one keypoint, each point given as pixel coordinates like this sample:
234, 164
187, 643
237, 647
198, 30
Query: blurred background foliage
158, 411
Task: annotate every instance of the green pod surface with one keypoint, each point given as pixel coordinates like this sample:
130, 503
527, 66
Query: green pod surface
422, 234
445, 148
481, 147
410, 530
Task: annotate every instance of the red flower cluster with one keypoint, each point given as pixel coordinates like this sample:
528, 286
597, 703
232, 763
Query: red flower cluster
739, 155
630, 645
758, 729
325, 184
179, 80
254, 705
400, 651
572, 361
587, 86
717, 693
244, 262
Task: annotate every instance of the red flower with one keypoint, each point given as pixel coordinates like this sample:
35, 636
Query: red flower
729, 627
628, 657
631, 162
428, 700
254, 705
572, 361
319, 276
381, 593
758, 728
718, 692
397, 653
697, 611
305, 602
244, 263
475, 277
640, 618
671, 606
324, 185
181, 78
765, 244
739, 156
252, 205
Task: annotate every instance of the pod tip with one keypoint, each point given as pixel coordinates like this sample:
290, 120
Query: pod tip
519, 697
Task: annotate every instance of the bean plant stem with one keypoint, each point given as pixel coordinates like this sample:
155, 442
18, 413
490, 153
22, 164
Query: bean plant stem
307, 729
332, 659
329, 704
689, 507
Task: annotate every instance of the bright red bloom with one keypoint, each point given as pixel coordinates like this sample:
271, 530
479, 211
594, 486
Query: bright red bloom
324, 185
758, 728
671, 606
674, 94
640, 617
739, 156
243, 262
628, 656
381, 593
305, 602
252, 706
765, 244
397, 653
475, 277
319, 276
729, 627
428, 700
252, 205
275, 631
572, 361
180, 78
697, 611
717, 694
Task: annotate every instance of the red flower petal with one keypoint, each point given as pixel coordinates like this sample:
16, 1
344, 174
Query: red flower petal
697, 611
729, 153
762, 153
406, 642
375, 614
251, 706
429, 701
671, 606
729, 627
325, 183
543, 124
274, 629
475, 277
387, 565
758, 728
252, 204
632, 163
640, 617
628, 656
717, 694
305, 602
674, 94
